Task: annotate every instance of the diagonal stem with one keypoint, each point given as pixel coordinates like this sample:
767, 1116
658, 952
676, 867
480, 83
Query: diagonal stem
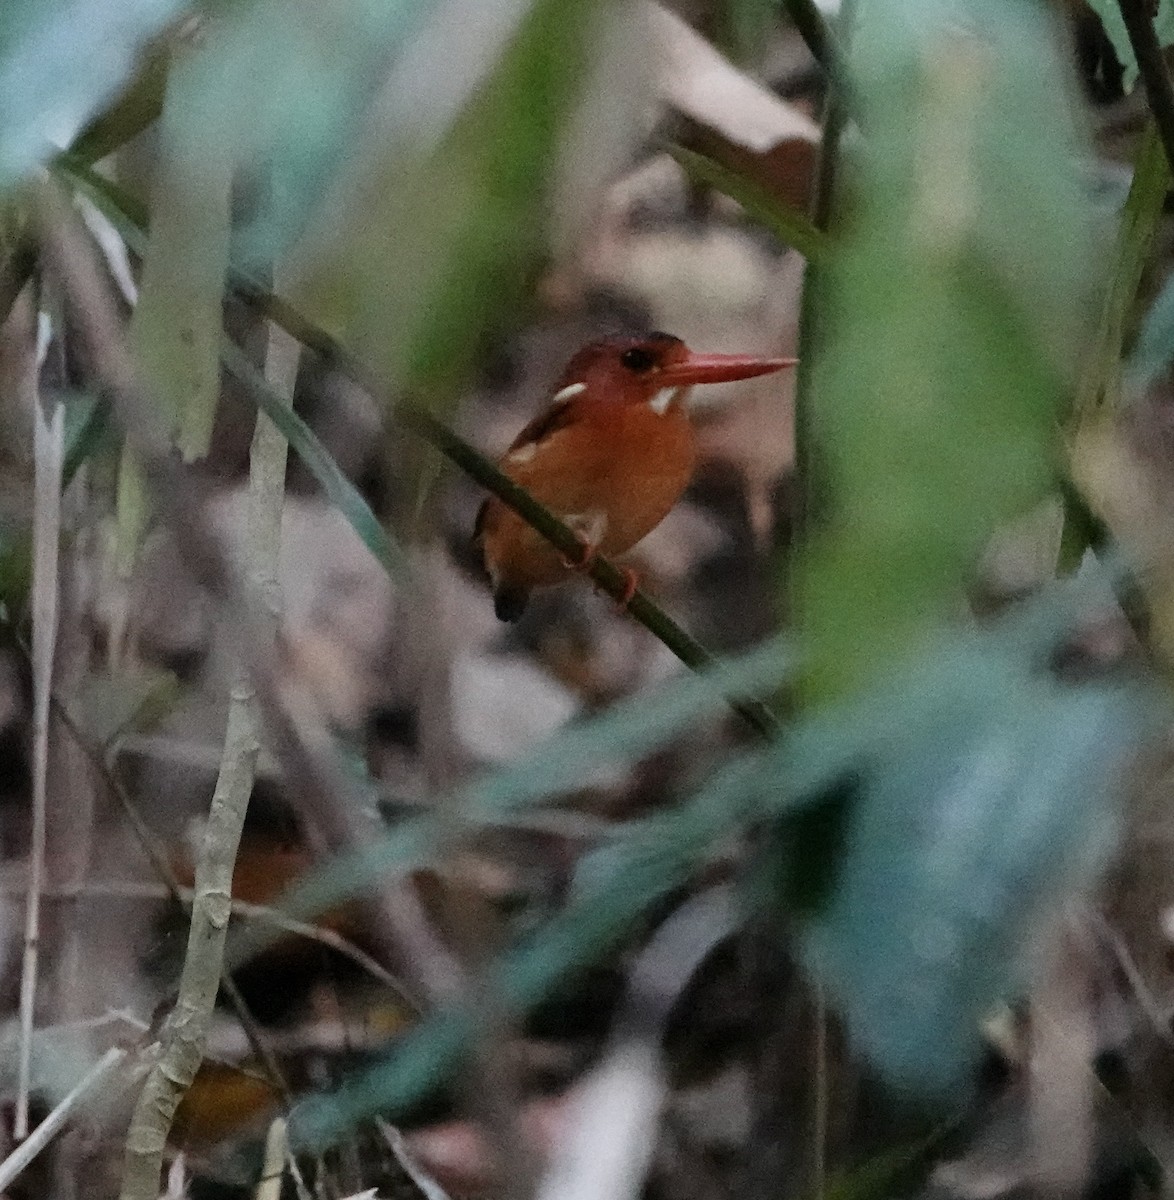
1152, 67
604, 572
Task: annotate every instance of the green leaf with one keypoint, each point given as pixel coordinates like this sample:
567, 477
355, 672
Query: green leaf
120, 210
282, 90
988, 794
1155, 344
790, 226
175, 327
951, 316
1110, 15
621, 882
1100, 383
616, 738
137, 108
341, 492
60, 61
435, 249
88, 432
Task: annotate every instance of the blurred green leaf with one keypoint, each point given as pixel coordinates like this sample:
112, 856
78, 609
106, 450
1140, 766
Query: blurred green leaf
1100, 383
618, 737
618, 884
1154, 350
791, 227
283, 88
87, 431
745, 26
175, 326
436, 245
892, 1172
119, 209
341, 492
988, 793
954, 308
1110, 15
60, 61
137, 108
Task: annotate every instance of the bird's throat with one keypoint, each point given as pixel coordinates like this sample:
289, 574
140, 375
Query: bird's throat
665, 399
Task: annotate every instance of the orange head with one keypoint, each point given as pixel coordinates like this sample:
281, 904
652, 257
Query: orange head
632, 370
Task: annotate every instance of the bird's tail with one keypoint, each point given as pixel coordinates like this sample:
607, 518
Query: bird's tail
509, 601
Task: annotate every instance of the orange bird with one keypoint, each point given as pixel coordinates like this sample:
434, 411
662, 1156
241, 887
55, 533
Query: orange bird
610, 455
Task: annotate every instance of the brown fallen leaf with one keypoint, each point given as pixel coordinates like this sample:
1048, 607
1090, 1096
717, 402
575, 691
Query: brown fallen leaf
732, 117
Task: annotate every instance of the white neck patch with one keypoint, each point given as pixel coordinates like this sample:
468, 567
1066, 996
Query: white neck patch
663, 399
568, 393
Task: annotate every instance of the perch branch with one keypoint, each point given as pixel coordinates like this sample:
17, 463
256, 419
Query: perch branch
605, 573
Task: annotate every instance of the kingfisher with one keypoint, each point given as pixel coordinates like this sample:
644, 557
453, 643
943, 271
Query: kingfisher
610, 454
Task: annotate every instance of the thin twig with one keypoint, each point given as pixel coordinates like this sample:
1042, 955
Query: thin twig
156, 854
813, 29
186, 1030
602, 571
1152, 68
273, 1163
262, 913
15, 272
44, 1133
49, 459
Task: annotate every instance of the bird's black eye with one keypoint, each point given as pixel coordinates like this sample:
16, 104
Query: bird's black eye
638, 359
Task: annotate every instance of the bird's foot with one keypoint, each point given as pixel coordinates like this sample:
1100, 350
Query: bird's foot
631, 583
584, 558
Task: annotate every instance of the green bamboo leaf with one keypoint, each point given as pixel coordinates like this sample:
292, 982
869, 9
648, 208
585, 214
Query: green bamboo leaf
1100, 383
1017, 806
137, 108
621, 882
60, 61
175, 327
953, 311
790, 226
1155, 344
341, 492
284, 90
992, 796
434, 251
618, 737
121, 211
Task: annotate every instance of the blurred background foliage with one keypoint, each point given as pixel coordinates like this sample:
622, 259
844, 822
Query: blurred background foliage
944, 554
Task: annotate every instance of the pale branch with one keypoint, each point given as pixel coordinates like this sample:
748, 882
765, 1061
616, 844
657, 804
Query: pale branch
49, 443
313, 778
102, 1071
185, 1032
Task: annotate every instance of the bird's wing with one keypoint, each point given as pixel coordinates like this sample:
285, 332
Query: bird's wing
479, 523
550, 420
